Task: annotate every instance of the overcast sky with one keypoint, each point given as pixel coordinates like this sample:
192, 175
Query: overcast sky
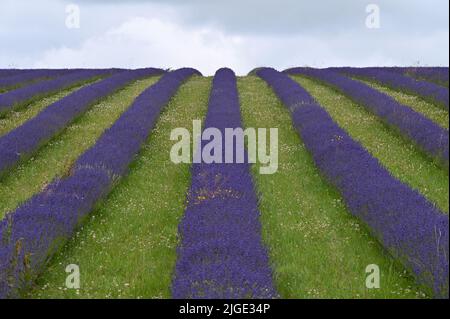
209, 34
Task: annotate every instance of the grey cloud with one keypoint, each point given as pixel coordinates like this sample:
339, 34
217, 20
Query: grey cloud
335, 30
299, 16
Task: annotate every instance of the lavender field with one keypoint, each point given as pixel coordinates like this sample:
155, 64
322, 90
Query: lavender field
92, 204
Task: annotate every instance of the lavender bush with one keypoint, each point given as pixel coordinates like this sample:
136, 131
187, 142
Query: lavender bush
221, 254
30, 75
23, 95
426, 134
437, 75
27, 138
408, 226
428, 91
10, 72
32, 233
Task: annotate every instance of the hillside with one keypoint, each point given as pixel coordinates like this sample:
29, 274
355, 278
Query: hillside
359, 178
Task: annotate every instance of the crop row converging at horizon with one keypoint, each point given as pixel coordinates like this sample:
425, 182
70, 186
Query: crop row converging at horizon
357, 207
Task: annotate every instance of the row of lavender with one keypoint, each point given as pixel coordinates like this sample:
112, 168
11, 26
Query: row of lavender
19, 78
27, 138
221, 254
429, 91
408, 226
430, 137
438, 75
10, 72
32, 233
23, 95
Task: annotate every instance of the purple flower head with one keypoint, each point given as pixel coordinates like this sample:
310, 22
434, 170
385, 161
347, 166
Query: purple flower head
221, 254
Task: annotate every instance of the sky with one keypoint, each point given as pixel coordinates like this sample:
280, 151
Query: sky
209, 34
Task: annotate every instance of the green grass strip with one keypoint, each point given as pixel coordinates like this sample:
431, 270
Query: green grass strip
317, 248
429, 110
57, 156
405, 161
127, 248
16, 118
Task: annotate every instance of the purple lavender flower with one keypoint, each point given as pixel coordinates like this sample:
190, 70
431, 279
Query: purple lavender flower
221, 254
426, 134
10, 72
27, 138
19, 78
31, 234
428, 91
437, 75
23, 95
407, 225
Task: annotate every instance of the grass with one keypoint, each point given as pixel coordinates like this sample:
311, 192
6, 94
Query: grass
16, 118
24, 104
317, 248
429, 110
127, 248
377, 84
404, 160
56, 157
20, 106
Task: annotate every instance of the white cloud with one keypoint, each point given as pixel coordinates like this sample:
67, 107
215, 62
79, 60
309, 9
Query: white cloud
142, 42
208, 34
